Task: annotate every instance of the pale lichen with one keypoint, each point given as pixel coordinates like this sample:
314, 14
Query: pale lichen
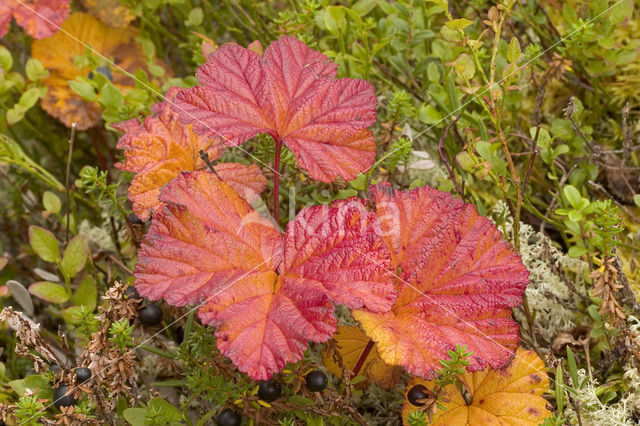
557, 281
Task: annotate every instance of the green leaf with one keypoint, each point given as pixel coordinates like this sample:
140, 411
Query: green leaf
334, 18
29, 98
513, 52
156, 70
360, 182
32, 382
428, 114
464, 66
365, 6
345, 193
51, 292
51, 202
85, 90
121, 405
170, 384
70, 315
575, 216
75, 256
44, 243
14, 115
621, 11
35, 71
86, 293
636, 199
576, 251
135, 416
169, 411
300, 400
572, 195
573, 368
195, 17
444, 4
559, 389
459, 24
6, 60
111, 97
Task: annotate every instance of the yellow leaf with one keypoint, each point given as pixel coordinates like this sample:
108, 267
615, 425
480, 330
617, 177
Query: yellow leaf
510, 396
352, 341
57, 53
111, 12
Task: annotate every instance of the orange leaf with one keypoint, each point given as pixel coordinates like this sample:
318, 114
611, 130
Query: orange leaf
111, 12
267, 293
512, 396
352, 341
456, 279
160, 148
56, 54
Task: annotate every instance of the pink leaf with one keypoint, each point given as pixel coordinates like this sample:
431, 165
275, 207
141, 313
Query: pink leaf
292, 94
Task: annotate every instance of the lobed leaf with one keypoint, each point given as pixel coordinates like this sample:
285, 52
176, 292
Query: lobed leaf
351, 342
203, 239
267, 294
323, 249
456, 278
39, 18
162, 147
292, 93
56, 54
509, 396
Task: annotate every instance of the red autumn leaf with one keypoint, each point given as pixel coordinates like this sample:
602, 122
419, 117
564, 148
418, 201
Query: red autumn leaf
162, 147
6, 13
457, 279
39, 18
267, 294
292, 93
323, 248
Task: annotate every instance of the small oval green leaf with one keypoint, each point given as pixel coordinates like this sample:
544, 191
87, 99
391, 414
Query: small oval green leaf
50, 292
44, 243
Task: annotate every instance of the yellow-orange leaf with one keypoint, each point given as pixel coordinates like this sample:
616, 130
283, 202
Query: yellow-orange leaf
111, 12
56, 54
160, 148
351, 342
512, 396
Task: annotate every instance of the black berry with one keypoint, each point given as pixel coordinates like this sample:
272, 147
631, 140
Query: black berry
316, 381
229, 417
150, 315
415, 393
62, 400
132, 293
82, 374
134, 220
269, 391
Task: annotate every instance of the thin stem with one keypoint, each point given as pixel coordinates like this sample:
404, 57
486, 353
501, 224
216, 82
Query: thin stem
276, 180
66, 179
363, 357
153, 350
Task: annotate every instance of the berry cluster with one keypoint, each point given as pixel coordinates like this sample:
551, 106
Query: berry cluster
269, 391
60, 396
